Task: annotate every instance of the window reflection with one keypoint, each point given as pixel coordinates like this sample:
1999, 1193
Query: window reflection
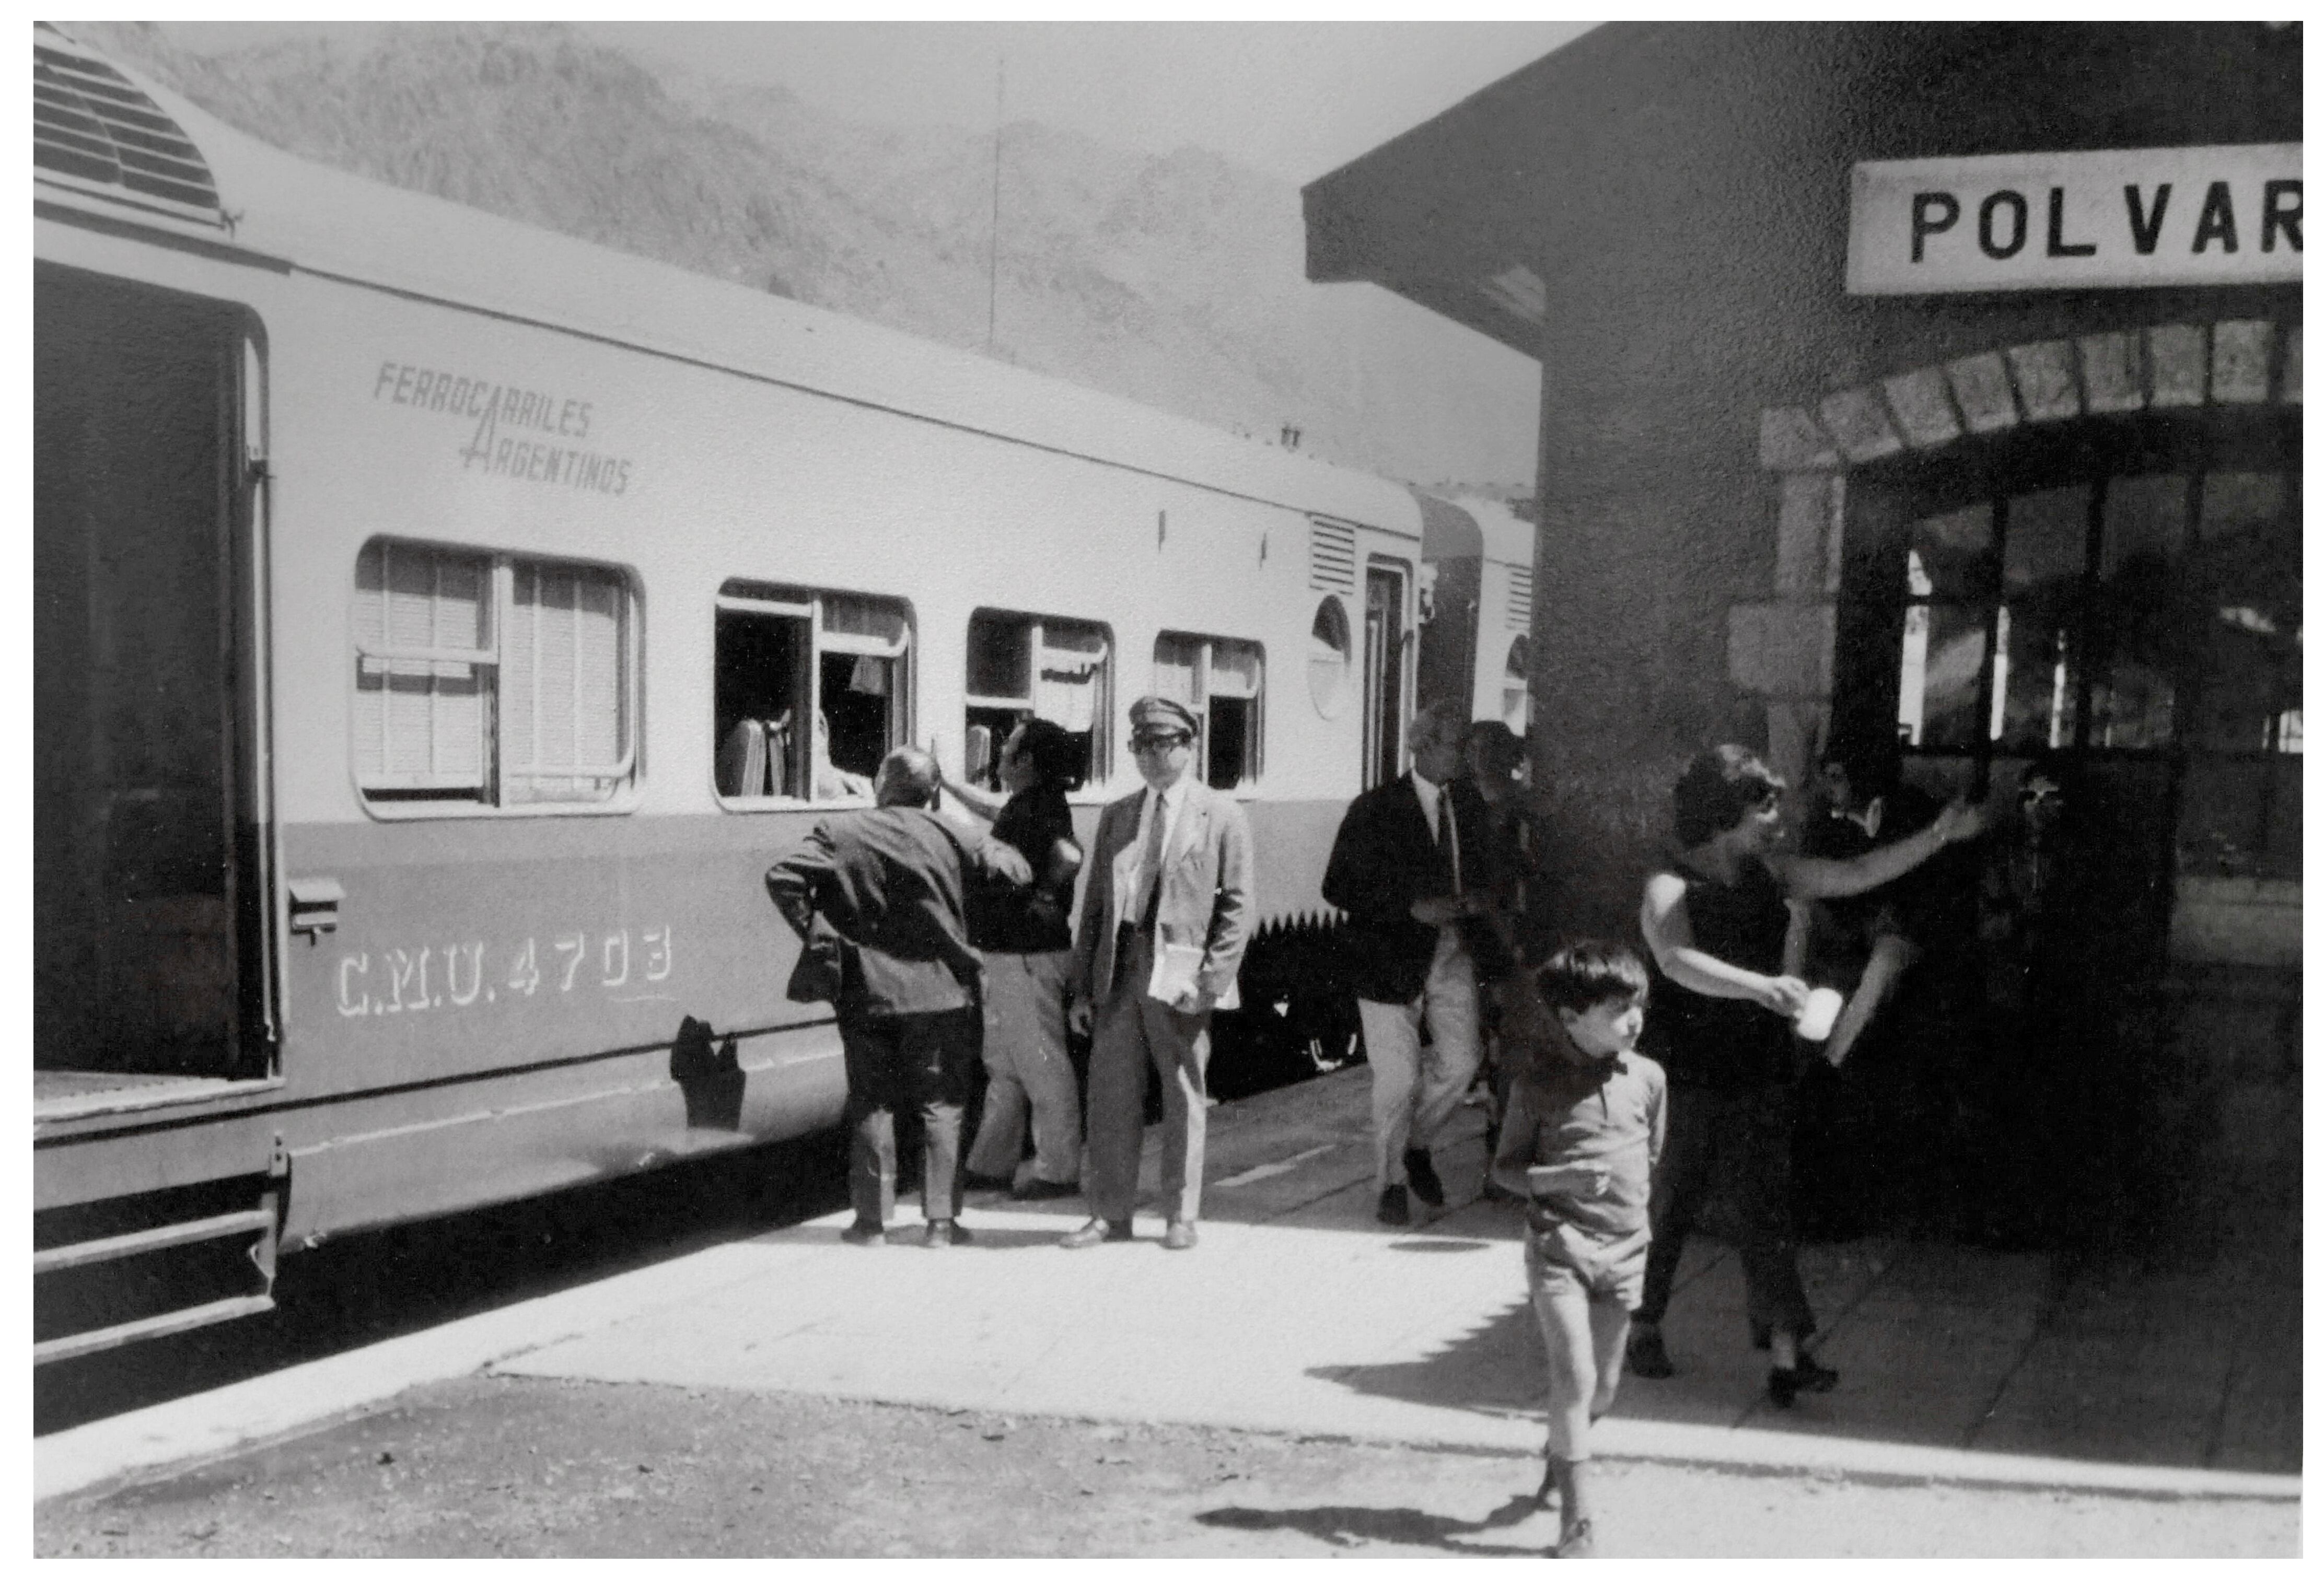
2184, 612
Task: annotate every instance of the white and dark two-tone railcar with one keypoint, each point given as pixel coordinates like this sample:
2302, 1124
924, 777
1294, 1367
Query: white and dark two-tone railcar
440, 626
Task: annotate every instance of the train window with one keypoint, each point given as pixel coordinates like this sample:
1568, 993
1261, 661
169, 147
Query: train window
1330, 654
811, 692
498, 681
1022, 666
1517, 691
1224, 681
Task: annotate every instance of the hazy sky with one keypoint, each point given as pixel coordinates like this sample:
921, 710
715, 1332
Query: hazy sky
1293, 98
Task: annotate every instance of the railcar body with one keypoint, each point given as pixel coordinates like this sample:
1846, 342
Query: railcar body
1476, 625
440, 625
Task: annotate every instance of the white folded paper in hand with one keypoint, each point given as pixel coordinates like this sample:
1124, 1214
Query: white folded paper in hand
1816, 1016
1176, 966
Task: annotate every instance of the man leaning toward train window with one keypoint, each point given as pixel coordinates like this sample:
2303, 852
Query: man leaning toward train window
891, 883
1163, 929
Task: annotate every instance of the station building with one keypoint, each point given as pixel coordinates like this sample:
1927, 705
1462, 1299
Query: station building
1937, 384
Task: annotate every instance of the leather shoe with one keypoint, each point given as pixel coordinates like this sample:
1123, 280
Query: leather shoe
1179, 1236
946, 1232
1646, 1357
1095, 1231
1394, 1208
1784, 1384
864, 1234
1422, 1173
1041, 1190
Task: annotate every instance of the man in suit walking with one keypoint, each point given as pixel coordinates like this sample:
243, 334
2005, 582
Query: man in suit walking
1167, 914
1411, 865
890, 882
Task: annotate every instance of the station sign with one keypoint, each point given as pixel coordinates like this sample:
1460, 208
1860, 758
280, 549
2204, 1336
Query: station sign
2223, 216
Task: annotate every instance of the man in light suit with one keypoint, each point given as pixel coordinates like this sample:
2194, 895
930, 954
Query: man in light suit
1170, 881
1414, 866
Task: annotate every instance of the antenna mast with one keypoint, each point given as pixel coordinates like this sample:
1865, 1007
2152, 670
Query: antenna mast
993, 259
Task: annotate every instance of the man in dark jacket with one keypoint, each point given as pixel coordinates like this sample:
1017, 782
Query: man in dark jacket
891, 883
1413, 866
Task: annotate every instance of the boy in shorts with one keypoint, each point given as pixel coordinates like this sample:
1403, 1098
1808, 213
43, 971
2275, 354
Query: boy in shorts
1578, 1143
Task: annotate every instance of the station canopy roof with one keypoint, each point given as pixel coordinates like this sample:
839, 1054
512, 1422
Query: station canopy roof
1460, 213
1444, 215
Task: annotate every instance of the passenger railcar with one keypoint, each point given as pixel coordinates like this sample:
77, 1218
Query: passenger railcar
440, 624
1477, 608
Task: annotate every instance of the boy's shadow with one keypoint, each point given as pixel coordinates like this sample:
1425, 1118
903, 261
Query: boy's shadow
1347, 1525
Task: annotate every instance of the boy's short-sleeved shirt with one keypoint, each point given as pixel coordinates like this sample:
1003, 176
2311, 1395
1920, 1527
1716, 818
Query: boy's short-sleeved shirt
1610, 1113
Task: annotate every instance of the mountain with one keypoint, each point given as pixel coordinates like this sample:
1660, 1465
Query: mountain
1173, 280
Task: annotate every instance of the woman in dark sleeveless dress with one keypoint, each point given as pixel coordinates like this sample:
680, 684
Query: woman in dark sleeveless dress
1714, 917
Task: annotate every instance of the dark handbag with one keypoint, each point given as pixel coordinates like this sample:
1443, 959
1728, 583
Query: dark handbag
816, 975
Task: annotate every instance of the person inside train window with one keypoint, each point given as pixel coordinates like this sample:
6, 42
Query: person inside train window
833, 782
1716, 916
1224, 684
1052, 668
809, 693
1025, 937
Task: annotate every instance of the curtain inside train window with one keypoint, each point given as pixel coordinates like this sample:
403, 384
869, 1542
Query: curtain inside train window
1019, 667
491, 681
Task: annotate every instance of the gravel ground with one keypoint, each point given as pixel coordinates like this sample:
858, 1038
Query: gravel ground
488, 1467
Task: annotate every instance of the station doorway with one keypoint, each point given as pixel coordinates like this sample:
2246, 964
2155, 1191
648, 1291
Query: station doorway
2117, 606
2096, 627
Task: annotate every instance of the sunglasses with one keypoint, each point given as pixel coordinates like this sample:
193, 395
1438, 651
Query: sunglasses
1156, 741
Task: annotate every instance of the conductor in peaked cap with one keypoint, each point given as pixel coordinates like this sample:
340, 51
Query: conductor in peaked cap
1167, 914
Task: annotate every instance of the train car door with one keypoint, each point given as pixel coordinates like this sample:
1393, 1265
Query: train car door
1384, 644
151, 903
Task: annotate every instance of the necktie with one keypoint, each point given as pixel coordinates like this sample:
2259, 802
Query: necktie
1151, 865
1448, 837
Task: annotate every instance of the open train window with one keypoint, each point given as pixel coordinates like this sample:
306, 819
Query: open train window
492, 681
812, 690
1224, 681
1022, 666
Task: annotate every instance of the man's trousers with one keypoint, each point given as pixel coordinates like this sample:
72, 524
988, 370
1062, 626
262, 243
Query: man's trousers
1027, 1070
1412, 1094
923, 1062
1131, 1033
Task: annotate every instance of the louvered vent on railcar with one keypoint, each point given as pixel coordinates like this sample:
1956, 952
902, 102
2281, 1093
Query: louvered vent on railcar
1332, 557
95, 126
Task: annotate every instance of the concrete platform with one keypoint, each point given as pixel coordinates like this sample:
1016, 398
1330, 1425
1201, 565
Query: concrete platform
1298, 1314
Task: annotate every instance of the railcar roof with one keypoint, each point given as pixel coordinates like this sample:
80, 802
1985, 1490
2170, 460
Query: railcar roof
1508, 537
331, 223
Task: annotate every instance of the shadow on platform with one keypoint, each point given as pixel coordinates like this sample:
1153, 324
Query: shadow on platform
1348, 1526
